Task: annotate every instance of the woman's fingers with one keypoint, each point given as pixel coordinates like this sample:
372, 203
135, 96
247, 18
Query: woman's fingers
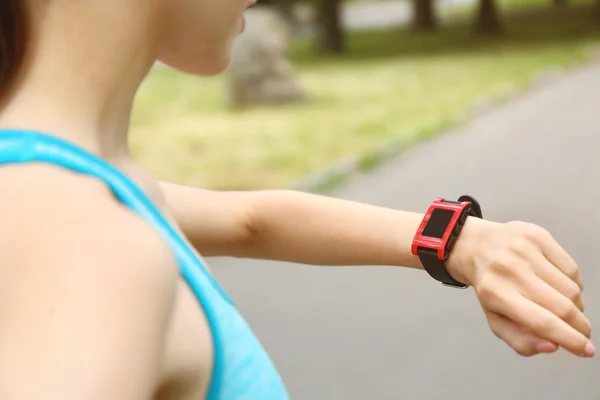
557, 279
540, 321
556, 255
548, 297
523, 341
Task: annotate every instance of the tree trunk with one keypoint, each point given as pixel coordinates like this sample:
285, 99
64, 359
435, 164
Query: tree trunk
424, 18
488, 19
330, 31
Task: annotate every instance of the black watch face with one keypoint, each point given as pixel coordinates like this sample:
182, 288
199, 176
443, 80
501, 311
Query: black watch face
438, 223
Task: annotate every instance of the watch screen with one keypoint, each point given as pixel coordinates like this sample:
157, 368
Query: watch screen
438, 223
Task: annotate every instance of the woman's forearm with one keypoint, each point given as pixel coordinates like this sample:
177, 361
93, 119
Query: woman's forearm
312, 229
304, 228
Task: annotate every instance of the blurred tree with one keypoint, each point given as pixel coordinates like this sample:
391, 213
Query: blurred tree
424, 17
331, 35
488, 19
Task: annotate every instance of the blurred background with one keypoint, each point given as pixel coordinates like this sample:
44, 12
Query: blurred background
395, 103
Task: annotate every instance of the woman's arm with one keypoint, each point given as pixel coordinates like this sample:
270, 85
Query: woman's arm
293, 226
216, 223
528, 286
319, 230
86, 292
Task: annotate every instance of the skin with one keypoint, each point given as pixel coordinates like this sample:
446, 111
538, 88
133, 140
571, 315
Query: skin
91, 303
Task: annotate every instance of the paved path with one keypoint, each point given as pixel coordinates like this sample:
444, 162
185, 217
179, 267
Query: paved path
367, 15
385, 14
388, 333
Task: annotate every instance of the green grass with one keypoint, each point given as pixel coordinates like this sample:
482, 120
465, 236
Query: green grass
392, 85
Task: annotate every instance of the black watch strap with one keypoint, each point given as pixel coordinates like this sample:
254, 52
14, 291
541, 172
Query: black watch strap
435, 267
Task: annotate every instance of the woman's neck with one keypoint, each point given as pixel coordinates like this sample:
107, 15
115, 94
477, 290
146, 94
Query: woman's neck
82, 69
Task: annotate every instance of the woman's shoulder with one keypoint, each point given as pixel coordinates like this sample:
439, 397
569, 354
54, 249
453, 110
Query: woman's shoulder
51, 193
44, 206
84, 274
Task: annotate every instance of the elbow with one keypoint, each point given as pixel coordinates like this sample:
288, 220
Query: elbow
249, 235
246, 232
257, 223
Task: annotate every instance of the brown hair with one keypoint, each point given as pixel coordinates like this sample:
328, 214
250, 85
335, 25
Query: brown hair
12, 41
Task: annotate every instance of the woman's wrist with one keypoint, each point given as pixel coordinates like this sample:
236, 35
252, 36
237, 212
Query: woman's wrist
461, 263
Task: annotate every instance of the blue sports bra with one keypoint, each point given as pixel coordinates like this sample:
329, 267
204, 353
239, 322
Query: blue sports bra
241, 367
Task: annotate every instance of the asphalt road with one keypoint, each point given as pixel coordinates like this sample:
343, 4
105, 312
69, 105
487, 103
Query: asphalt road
386, 14
389, 333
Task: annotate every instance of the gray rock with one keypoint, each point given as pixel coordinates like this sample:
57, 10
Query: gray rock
259, 73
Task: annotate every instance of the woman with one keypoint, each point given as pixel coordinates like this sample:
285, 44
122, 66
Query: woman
102, 298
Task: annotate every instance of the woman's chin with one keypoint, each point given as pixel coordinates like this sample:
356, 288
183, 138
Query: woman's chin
217, 66
242, 25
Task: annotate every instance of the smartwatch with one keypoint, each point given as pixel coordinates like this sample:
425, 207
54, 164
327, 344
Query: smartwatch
437, 235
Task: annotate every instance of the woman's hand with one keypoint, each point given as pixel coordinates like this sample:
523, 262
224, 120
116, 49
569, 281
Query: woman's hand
528, 285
